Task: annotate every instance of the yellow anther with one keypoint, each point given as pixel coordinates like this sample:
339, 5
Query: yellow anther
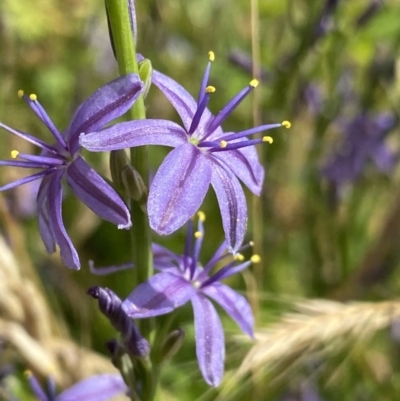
198, 234
239, 257
33, 97
210, 89
255, 259
211, 56
286, 124
201, 215
254, 83
268, 139
14, 154
223, 144
20, 93
28, 373
251, 243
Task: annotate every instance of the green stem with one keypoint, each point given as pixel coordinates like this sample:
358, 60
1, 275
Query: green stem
124, 46
125, 51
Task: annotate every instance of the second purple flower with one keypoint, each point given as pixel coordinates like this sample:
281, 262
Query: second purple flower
204, 154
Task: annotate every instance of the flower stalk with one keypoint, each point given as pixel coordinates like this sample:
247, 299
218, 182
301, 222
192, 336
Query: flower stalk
125, 51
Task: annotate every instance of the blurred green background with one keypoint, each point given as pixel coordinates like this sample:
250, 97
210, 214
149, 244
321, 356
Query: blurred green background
314, 244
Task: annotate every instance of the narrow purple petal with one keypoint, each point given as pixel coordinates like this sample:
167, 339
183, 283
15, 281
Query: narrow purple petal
179, 97
210, 346
106, 104
25, 180
159, 295
178, 189
97, 194
30, 138
96, 388
232, 204
235, 305
43, 216
135, 133
54, 199
245, 165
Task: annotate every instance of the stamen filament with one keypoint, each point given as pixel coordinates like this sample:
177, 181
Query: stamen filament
35, 141
44, 117
241, 144
200, 109
224, 113
49, 161
206, 76
25, 180
228, 270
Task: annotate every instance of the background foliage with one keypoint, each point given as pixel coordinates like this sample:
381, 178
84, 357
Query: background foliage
316, 244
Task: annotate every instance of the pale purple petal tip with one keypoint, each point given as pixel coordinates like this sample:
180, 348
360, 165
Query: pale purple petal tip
210, 346
178, 189
97, 194
96, 388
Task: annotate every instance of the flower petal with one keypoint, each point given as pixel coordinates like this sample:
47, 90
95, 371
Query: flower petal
135, 133
245, 165
235, 305
210, 346
45, 229
178, 188
106, 104
232, 204
95, 388
97, 194
161, 294
183, 102
179, 97
54, 199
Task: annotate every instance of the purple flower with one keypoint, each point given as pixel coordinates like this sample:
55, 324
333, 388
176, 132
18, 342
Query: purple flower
96, 388
182, 278
363, 140
203, 155
64, 159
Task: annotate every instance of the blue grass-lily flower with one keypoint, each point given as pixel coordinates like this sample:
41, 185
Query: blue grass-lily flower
183, 279
203, 155
63, 159
95, 388
363, 140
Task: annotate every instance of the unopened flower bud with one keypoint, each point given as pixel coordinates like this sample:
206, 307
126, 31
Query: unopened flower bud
134, 185
172, 344
118, 160
145, 74
110, 305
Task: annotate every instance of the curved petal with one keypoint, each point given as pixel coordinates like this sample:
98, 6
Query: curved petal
54, 199
183, 102
45, 229
178, 188
179, 97
232, 204
210, 346
135, 133
95, 388
104, 105
97, 194
235, 305
245, 165
159, 295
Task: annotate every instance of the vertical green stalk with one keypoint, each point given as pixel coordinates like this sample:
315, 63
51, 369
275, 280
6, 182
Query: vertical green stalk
125, 51
124, 46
